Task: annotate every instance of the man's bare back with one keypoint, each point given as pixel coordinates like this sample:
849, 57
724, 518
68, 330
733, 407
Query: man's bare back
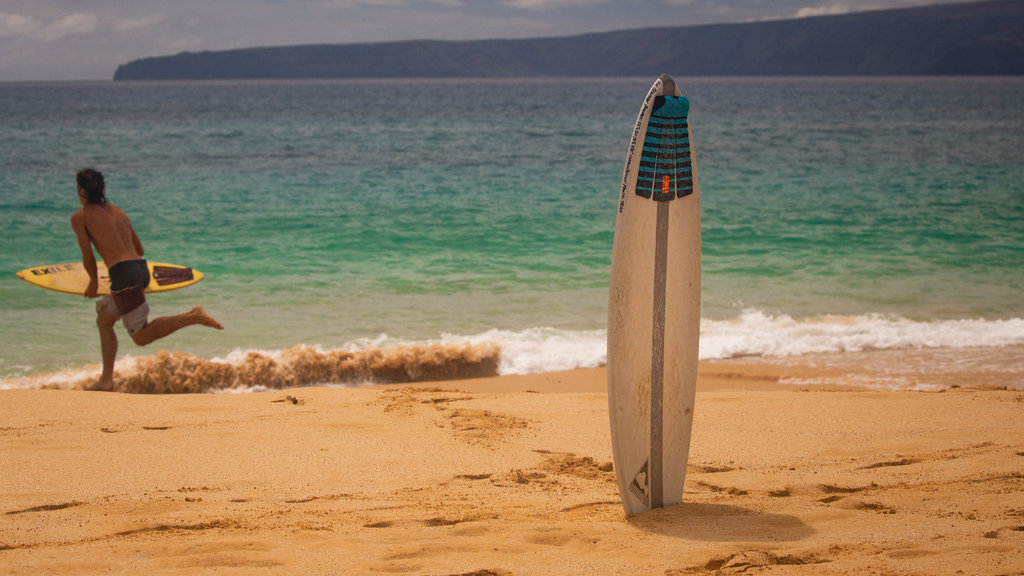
109, 230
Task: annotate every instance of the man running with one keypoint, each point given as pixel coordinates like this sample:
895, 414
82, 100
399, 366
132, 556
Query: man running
101, 224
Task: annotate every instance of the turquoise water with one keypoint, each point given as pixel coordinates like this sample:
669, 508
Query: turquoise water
354, 214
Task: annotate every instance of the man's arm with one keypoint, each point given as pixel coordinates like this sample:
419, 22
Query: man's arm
88, 258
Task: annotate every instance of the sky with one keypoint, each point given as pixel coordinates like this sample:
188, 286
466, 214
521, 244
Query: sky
58, 40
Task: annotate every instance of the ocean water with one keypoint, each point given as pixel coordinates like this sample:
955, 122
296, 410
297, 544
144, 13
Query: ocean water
355, 231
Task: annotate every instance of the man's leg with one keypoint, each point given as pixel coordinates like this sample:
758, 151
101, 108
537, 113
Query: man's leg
108, 348
166, 325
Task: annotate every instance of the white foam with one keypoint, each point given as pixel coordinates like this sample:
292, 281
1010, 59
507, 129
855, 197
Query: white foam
52, 379
755, 333
544, 349
752, 333
872, 382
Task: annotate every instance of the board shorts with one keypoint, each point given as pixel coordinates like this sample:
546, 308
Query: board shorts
127, 298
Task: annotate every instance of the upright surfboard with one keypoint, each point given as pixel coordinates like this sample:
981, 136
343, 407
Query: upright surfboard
72, 278
654, 305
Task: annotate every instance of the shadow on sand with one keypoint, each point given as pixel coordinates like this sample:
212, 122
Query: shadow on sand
721, 523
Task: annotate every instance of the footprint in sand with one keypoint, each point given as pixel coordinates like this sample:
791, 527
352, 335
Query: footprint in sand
730, 490
1007, 529
863, 505
46, 508
485, 572
708, 468
581, 467
483, 426
473, 476
833, 489
750, 560
891, 463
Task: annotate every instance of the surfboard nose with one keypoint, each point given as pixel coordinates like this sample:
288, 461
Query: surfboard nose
669, 83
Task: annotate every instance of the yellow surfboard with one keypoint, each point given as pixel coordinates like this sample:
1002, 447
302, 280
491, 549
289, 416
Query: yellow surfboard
73, 279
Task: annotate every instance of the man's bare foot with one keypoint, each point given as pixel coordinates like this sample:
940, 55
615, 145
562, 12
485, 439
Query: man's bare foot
102, 386
205, 319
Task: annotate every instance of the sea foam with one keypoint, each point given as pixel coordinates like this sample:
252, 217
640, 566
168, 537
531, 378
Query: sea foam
172, 372
384, 359
756, 333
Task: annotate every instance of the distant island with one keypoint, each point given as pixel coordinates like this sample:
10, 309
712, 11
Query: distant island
981, 38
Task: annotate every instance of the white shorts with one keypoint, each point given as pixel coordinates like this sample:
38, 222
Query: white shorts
133, 320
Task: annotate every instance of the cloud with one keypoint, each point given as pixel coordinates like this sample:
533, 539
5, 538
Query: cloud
821, 11
548, 4
27, 27
348, 4
16, 25
183, 43
129, 24
67, 26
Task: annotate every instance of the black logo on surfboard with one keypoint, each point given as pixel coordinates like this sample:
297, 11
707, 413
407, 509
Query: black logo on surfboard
641, 485
47, 270
164, 275
666, 164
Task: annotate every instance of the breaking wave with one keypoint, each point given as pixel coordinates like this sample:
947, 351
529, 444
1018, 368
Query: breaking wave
172, 372
502, 352
756, 333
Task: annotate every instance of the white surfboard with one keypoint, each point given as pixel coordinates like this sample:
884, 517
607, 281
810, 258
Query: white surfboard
654, 305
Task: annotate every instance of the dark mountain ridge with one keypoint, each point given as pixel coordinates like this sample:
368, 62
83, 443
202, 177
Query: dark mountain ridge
984, 38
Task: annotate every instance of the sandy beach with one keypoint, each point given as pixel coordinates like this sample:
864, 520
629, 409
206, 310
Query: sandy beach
511, 476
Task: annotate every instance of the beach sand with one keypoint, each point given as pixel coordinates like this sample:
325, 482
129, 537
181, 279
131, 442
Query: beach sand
511, 476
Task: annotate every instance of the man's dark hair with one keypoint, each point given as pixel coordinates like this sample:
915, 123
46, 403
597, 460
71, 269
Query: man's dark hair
90, 180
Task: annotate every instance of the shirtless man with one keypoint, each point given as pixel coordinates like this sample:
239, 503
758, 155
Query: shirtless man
105, 226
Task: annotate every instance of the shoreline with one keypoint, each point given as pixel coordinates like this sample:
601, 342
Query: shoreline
510, 475
450, 365
710, 376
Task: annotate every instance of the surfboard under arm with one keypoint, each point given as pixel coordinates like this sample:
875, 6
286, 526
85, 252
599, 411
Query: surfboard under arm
71, 278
